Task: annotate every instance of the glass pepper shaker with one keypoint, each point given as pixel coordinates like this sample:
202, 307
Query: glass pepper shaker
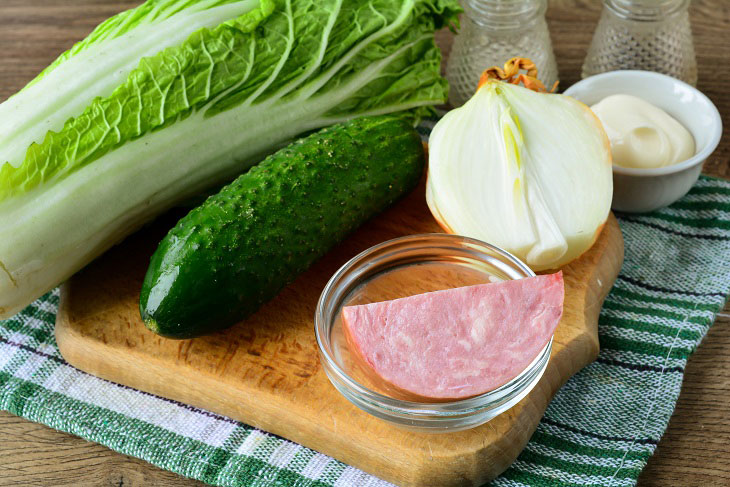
652, 35
492, 32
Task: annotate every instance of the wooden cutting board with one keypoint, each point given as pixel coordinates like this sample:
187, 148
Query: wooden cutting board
266, 370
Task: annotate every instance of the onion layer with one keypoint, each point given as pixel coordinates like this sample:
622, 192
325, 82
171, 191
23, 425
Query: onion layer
520, 168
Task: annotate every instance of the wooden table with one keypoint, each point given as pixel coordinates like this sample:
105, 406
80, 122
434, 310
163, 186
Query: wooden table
696, 447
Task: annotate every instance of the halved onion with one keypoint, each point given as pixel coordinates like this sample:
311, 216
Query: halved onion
521, 168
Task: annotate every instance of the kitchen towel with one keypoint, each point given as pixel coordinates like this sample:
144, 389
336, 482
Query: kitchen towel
599, 430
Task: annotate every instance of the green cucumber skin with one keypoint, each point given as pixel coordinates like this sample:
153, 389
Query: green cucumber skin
237, 250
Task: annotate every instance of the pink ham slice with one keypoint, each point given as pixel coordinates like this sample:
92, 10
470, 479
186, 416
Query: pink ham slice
456, 343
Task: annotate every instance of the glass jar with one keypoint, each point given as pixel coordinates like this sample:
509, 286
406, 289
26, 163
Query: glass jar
492, 32
651, 35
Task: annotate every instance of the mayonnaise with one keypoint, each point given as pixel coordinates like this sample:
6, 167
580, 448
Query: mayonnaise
643, 135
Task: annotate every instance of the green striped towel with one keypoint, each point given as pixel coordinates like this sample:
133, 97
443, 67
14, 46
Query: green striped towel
599, 430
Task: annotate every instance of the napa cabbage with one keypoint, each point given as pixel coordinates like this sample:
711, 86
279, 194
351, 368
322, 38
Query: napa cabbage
176, 96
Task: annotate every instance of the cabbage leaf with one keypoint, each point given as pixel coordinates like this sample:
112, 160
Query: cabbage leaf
106, 147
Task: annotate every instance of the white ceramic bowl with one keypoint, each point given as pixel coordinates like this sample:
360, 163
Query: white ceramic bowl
643, 190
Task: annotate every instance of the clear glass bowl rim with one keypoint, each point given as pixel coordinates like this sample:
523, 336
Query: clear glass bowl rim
400, 407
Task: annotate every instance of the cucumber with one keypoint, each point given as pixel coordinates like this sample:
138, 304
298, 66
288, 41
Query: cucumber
238, 249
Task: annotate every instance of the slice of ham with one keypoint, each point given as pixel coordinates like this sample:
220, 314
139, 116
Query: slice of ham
456, 343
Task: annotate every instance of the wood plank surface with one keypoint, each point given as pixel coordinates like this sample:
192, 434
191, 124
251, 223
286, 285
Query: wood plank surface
696, 447
266, 371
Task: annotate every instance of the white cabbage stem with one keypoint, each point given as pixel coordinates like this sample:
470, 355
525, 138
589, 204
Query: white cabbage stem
525, 170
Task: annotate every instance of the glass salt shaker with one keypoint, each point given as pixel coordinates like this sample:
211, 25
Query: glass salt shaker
652, 35
492, 32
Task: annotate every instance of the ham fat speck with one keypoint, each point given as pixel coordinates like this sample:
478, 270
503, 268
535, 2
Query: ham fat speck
456, 343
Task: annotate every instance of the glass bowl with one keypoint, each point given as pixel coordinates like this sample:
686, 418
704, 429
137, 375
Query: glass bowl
404, 267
